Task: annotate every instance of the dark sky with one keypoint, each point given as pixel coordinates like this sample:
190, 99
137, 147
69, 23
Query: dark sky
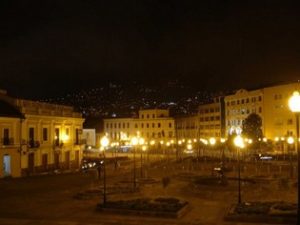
52, 46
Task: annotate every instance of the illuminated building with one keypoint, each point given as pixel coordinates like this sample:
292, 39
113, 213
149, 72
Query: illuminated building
270, 103
187, 127
211, 119
38, 137
151, 124
239, 106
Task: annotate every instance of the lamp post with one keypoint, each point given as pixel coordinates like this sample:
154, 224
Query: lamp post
144, 148
104, 143
212, 142
134, 142
294, 104
239, 143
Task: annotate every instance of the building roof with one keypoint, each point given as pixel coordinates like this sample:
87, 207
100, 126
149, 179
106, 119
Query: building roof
8, 110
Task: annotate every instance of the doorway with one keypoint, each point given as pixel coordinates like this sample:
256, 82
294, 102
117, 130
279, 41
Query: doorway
6, 165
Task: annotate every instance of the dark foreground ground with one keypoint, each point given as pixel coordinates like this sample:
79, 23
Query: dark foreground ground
49, 199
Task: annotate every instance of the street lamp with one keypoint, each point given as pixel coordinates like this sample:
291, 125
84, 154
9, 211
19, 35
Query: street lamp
239, 143
104, 143
144, 148
134, 142
294, 104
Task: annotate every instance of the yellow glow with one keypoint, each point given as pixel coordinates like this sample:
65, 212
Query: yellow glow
65, 137
223, 140
104, 141
134, 141
250, 141
189, 141
141, 141
195, 140
161, 142
168, 144
189, 147
294, 102
264, 139
152, 142
282, 138
144, 148
172, 141
212, 141
290, 140
276, 139
179, 142
239, 142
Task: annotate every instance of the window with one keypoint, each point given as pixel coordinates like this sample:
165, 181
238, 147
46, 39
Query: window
247, 100
31, 136
123, 125
259, 98
107, 125
142, 116
142, 125
148, 116
135, 125
211, 110
259, 109
170, 134
170, 125
212, 118
127, 125
56, 136
45, 134
290, 121
201, 119
147, 125
77, 136
207, 118
153, 115
232, 103
158, 125
243, 101
6, 136
238, 102
115, 125
206, 111
217, 117
153, 125
228, 103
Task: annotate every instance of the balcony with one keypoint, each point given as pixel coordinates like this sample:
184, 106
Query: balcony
33, 144
7, 141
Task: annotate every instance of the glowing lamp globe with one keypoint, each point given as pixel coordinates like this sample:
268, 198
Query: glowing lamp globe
104, 141
294, 102
134, 141
141, 141
212, 141
239, 142
290, 140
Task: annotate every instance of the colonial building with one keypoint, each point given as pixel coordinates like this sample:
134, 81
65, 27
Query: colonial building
239, 105
270, 103
212, 119
151, 124
38, 137
187, 127
278, 121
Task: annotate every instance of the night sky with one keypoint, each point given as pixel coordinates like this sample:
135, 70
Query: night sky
51, 47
